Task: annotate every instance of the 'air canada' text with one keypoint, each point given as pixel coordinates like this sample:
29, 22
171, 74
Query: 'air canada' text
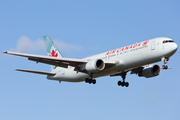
127, 48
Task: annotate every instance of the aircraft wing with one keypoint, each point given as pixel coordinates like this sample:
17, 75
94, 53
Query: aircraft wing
60, 62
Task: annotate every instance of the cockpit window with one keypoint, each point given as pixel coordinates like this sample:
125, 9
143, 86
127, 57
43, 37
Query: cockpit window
167, 41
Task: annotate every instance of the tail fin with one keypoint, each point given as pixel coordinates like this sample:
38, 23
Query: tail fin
52, 50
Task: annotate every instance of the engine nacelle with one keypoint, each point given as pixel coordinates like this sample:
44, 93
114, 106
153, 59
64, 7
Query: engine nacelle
150, 71
95, 65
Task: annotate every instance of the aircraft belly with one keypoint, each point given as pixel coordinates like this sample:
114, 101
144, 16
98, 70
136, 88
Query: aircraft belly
68, 75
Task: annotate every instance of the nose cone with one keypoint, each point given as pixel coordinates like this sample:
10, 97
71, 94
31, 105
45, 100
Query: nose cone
170, 49
174, 47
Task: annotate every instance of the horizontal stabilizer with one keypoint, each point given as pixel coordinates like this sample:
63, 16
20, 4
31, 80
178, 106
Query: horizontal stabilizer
36, 72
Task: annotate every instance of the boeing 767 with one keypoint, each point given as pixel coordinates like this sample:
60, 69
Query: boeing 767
132, 58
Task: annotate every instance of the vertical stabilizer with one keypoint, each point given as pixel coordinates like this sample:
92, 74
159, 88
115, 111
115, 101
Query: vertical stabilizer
52, 50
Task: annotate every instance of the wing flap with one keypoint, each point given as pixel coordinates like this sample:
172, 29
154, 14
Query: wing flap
36, 72
50, 62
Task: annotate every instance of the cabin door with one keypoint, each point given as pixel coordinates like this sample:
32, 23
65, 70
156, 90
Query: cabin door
153, 45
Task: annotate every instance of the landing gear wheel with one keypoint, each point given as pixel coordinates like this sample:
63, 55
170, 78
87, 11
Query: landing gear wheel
86, 80
127, 84
94, 81
165, 67
90, 81
123, 84
119, 83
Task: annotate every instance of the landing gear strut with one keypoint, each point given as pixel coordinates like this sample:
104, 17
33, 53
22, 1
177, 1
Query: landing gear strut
123, 83
166, 59
87, 80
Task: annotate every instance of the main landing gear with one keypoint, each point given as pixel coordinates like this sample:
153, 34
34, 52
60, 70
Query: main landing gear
123, 83
87, 80
90, 81
166, 59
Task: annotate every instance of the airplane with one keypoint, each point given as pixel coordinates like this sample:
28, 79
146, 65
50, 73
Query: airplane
136, 58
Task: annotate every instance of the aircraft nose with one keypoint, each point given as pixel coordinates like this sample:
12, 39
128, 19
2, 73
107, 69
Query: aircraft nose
172, 49
175, 47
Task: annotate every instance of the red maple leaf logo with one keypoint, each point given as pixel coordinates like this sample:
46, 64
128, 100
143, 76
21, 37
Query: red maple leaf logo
53, 54
145, 43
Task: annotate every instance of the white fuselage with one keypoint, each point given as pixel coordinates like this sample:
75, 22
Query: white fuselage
128, 57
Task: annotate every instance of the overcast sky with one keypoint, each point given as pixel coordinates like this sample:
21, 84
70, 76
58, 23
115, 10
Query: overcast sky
82, 28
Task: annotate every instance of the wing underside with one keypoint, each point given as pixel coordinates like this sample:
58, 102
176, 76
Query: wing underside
133, 71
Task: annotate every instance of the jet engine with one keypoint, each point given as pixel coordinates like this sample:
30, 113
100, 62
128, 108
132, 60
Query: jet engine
150, 71
95, 65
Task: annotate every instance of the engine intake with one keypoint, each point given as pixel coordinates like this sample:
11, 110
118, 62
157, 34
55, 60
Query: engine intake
95, 65
150, 71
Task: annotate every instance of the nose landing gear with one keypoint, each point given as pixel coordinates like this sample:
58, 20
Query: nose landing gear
123, 83
166, 59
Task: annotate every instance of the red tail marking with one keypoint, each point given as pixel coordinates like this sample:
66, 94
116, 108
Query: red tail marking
53, 54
